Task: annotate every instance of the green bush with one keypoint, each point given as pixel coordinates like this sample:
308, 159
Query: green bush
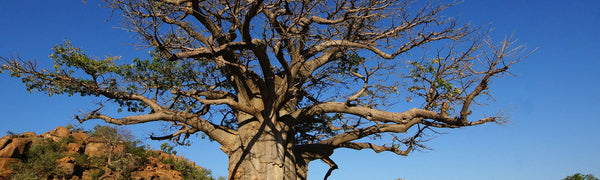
81, 163
40, 161
188, 170
142, 152
111, 134
579, 176
167, 148
97, 174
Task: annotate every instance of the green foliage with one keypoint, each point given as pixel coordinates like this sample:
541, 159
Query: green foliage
122, 162
109, 133
137, 150
167, 148
124, 166
350, 63
97, 173
40, 161
82, 162
66, 140
75, 72
579, 176
188, 170
309, 131
434, 78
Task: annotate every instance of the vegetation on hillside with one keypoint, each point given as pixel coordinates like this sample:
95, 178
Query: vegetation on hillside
42, 160
579, 176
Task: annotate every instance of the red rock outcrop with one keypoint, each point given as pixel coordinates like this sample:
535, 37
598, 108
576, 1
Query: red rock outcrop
13, 149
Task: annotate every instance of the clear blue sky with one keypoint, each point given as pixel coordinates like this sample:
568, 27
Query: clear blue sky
554, 101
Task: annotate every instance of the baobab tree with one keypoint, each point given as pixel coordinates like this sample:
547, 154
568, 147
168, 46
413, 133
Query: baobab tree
281, 83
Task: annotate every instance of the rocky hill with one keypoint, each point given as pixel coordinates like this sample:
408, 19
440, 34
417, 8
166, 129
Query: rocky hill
99, 154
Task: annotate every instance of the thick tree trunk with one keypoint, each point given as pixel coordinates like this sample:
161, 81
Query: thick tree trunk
265, 155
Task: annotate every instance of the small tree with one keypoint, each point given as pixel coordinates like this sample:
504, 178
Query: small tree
579, 176
113, 137
282, 83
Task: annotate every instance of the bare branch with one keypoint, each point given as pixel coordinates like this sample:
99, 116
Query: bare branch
332, 166
137, 119
216, 98
185, 130
376, 148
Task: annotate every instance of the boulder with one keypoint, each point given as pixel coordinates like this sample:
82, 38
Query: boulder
28, 134
80, 137
16, 148
57, 134
4, 141
162, 174
67, 165
95, 149
155, 169
74, 147
60, 132
99, 149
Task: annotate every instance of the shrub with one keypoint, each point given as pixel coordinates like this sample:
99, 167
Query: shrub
167, 148
188, 170
579, 176
82, 163
40, 161
111, 134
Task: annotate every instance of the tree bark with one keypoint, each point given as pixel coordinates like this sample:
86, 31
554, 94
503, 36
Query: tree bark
266, 154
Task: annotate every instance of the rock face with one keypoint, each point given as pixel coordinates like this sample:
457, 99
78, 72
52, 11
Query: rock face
11, 150
14, 147
110, 159
156, 170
